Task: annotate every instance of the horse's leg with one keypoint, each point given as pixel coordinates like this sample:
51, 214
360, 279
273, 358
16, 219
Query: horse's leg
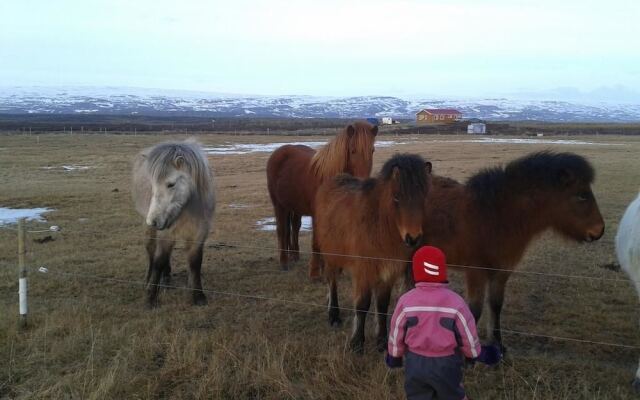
383, 296
316, 261
283, 227
161, 259
362, 302
150, 246
334, 307
408, 283
165, 278
476, 282
497, 284
636, 380
195, 265
296, 222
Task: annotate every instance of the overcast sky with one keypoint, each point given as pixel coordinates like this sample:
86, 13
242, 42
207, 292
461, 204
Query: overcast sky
323, 47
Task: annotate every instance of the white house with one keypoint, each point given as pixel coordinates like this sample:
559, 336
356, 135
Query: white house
387, 120
477, 128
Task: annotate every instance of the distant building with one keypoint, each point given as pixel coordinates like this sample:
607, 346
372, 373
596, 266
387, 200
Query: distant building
477, 128
437, 116
387, 120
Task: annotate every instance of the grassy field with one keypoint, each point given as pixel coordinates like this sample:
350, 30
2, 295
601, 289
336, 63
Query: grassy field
91, 338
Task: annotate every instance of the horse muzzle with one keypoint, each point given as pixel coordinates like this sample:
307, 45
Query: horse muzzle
155, 223
412, 241
595, 234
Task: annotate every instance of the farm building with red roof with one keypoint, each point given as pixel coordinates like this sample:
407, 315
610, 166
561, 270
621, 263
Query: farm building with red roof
437, 116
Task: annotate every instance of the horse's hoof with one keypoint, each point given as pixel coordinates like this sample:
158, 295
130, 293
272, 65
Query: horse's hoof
636, 385
165, 283
284, 267
151, 304
335, 321
295, 257
381, 344
356, 346
499, 345
199, 299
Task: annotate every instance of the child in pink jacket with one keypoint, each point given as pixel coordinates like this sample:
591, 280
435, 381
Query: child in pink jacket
433, 328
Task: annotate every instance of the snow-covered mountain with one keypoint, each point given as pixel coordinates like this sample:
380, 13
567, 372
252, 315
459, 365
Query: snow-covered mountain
127, 101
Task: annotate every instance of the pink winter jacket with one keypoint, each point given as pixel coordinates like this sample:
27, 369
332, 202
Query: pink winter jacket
433, 321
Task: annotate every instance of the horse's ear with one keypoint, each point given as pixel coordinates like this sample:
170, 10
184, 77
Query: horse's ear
395, 173
374, 130
351, 130
178, 162
566, 177
428, 166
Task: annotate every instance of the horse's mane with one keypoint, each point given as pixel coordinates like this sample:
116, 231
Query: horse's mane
413, 179
543, 170
162, 158
331, 159
352, 183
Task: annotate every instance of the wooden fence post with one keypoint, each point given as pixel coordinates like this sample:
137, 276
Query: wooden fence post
22, 277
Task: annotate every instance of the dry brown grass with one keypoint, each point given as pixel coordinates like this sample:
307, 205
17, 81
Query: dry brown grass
92, 338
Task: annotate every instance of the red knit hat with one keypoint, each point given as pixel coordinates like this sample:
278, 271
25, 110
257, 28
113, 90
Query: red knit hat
429, 265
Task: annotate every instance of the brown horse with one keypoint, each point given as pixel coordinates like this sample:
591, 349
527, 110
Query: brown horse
379, 222
490, 220
294, 173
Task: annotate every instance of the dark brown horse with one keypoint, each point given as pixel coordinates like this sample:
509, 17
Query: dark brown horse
379, 222
294, 173
490, 220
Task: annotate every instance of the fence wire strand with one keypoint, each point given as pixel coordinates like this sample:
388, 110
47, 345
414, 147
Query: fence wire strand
254, 246
315, 305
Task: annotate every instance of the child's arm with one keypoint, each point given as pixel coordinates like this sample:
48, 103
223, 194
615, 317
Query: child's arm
466, 325
396, 346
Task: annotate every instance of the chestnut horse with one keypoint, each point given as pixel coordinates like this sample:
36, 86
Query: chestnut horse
490, 220
294, 173
370, 227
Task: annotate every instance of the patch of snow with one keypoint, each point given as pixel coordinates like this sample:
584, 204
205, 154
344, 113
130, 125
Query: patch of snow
238, 206
246, 148
68, 168
12, 215
269, 224
528, 141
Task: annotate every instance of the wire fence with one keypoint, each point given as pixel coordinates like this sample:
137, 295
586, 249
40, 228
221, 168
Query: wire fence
54, 271
256, 246
303, 303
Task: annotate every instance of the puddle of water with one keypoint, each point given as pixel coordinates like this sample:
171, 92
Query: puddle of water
67, 168
246, 148
12, 215
528, 141
269, 224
